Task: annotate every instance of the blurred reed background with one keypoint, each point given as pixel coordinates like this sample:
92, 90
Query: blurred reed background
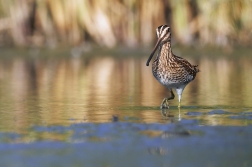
123, 22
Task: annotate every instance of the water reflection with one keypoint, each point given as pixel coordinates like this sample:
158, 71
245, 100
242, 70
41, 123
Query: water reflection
66, 90
171, 114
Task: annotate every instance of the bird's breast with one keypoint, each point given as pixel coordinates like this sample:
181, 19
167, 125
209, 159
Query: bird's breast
171, 77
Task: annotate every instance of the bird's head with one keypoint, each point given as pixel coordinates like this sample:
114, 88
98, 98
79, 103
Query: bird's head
163, 35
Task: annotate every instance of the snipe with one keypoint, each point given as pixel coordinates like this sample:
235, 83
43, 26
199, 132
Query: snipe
170, 70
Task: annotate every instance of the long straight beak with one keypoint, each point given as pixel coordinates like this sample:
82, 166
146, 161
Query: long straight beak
153, 52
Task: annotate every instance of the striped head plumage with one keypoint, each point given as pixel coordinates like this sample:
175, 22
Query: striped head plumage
163, 35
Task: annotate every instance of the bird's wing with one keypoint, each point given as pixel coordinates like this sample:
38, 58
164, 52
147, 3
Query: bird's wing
189, 70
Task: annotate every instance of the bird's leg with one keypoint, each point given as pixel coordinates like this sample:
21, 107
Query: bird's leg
165, 103
179, 101
172, 95
179, 92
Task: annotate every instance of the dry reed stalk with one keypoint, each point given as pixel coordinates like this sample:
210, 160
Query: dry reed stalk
126, 22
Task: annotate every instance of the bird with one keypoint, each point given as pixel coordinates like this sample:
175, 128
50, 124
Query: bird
171, 71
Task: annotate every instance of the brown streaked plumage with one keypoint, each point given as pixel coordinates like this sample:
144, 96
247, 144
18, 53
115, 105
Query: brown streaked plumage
170, 70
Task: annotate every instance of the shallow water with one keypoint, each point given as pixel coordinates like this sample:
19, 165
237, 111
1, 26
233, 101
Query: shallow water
71, 110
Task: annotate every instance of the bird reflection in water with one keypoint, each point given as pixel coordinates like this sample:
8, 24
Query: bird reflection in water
170, 115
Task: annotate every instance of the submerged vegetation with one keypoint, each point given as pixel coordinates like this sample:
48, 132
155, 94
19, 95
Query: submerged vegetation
123, 22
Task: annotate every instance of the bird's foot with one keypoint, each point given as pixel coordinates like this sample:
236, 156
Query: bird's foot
164, 104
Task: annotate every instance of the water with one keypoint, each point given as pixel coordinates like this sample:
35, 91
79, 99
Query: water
102, 109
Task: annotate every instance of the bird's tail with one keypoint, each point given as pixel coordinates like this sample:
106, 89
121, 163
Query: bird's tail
196, 69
